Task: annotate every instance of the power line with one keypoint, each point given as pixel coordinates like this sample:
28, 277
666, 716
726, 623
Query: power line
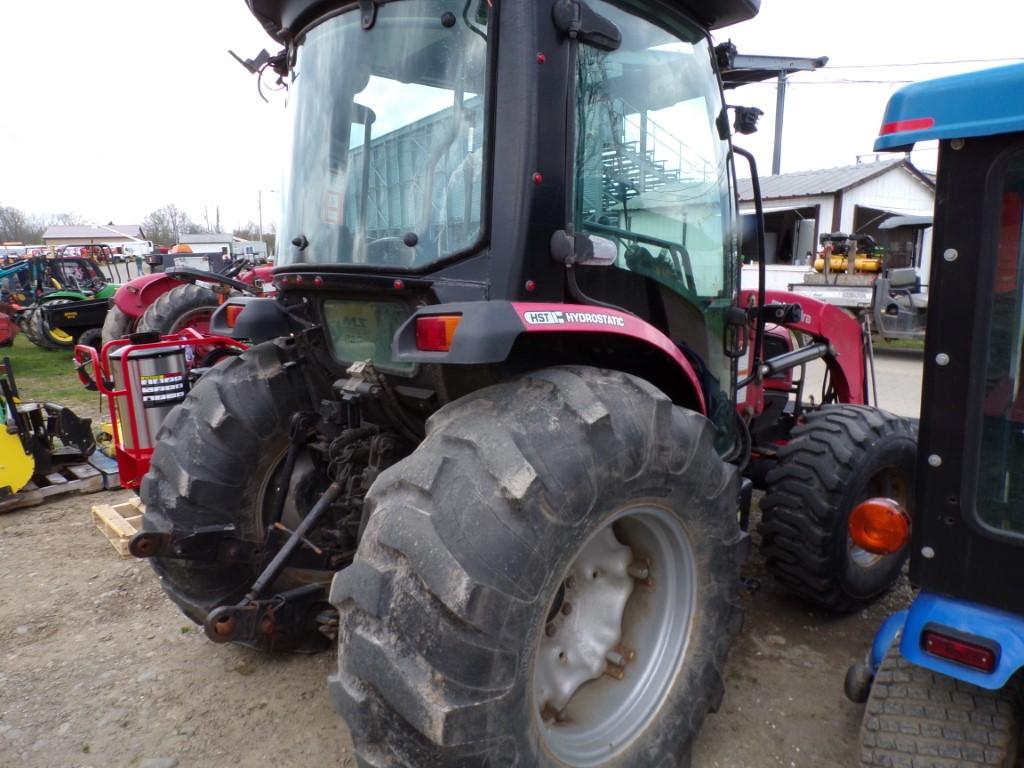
925, 63
844, 81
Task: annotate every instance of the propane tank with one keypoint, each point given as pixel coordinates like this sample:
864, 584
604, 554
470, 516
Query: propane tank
839, 263
157, 381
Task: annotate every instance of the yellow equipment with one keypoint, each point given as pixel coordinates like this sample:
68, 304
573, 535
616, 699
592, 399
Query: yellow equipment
839, 247
16, 466
28, 446
839, 263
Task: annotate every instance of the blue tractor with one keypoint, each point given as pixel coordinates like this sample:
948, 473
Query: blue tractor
942, 679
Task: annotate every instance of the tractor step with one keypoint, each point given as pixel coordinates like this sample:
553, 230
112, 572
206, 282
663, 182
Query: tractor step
72, 478
119, 522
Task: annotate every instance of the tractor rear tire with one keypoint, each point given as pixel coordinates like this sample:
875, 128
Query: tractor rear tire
180, 307
55, 338
474, 566
839, 456
117, 324
917, 716
214, 463
37, 329
30, 327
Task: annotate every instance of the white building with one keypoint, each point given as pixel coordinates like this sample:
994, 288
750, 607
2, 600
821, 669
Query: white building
800, 207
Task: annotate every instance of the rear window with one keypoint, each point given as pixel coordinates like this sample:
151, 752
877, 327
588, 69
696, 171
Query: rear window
363, 330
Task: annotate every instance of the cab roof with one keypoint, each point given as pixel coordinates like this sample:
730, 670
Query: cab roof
982, 103
285, 18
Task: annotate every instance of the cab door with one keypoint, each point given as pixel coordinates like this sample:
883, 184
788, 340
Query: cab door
969, 536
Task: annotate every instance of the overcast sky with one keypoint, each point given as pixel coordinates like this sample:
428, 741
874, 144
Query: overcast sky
113, 108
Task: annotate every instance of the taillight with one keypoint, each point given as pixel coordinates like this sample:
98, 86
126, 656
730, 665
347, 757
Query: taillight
902, 126
880, 526
232, 312
434, 333
960, 651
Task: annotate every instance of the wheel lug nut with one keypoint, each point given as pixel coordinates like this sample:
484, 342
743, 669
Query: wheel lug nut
639, 572
570, 583
615, 672
616, 658
566, 609
550, 630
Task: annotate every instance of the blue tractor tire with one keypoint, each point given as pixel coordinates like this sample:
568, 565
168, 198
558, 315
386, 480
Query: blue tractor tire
915, 716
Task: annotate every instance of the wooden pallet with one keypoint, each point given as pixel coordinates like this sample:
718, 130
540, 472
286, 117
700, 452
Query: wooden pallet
71, 478
119, 522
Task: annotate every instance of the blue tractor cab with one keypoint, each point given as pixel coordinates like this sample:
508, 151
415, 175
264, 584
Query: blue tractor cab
942, 679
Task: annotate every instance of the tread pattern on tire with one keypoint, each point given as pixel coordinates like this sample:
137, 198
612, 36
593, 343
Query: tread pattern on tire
163, 314
116, 324
800, 511
36, 328
201, 471
426, 650
916, 718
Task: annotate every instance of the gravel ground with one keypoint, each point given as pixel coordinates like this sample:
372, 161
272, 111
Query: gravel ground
98, 668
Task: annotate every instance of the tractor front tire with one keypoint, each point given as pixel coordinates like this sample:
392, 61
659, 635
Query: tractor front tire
550, 579
915, 716
92, 337
187, 305
214, 463
839, 456
117, 324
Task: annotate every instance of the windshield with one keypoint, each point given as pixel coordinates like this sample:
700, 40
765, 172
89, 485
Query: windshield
387, 138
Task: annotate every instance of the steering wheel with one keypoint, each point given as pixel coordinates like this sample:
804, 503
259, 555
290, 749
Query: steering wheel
236, 268
390, 251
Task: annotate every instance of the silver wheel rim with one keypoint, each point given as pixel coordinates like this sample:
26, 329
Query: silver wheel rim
645, 557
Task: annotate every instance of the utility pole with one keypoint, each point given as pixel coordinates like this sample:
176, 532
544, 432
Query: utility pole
780, 109
742, 69
259, 207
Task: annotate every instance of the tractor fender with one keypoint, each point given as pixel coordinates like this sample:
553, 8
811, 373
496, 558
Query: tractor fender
973, 621
256, 319
67, 294
488, 331
830, 324
137, 294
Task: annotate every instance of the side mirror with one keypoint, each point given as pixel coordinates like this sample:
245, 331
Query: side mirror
586, 250
746, 119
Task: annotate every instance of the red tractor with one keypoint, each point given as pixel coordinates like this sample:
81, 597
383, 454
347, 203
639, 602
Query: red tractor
167, 302
500, 427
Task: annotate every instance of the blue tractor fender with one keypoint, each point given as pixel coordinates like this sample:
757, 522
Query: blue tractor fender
1003, 630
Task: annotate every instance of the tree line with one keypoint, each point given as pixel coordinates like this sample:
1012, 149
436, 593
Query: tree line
163, 227
16, 226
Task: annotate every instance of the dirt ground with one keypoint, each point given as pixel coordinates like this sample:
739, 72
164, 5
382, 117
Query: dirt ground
98, 668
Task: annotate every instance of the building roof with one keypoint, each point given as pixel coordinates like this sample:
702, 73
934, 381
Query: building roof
825, 182
92, 231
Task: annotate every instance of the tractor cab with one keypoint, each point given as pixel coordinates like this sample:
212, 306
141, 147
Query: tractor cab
967, 623
453, 152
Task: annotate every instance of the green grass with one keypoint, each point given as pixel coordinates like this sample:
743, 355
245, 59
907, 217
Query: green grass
48, 375
917, 344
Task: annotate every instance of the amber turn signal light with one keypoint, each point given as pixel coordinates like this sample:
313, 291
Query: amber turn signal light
880, 526
231, 314
434, 333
